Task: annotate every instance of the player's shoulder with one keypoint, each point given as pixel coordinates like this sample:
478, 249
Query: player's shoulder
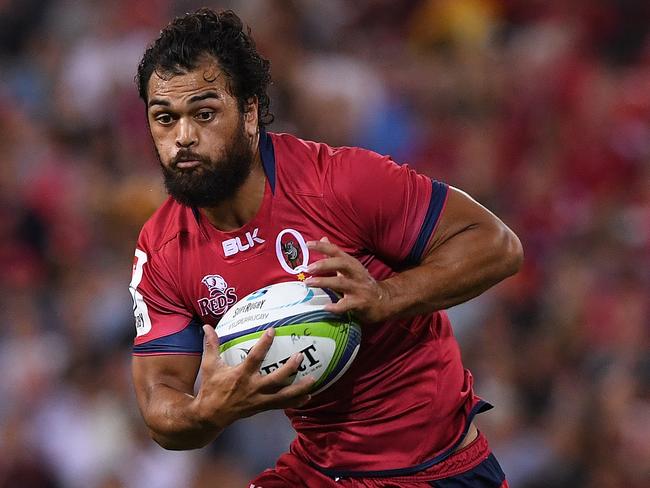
319, 154
308, 163
165, 225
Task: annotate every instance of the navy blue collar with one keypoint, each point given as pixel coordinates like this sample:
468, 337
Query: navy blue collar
267, 153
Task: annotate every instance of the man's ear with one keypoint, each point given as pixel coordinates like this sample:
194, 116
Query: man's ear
251, 115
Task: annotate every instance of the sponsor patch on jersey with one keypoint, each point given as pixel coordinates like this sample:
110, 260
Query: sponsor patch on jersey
237, 244
221, 296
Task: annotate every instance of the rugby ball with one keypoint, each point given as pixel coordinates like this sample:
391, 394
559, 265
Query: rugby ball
329, 341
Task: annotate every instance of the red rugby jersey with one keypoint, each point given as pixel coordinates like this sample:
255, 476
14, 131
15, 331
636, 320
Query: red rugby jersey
406, 401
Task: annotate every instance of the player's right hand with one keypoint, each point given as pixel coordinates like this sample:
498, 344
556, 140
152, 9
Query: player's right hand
229, 393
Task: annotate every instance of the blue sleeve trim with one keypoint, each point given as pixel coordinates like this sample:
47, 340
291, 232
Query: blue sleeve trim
489, 471
186, 341
480, 407
436, 203
267, 152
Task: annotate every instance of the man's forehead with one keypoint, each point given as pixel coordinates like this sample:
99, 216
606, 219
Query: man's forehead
206, 75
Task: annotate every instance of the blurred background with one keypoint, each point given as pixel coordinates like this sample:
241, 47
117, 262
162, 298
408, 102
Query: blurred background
538, 108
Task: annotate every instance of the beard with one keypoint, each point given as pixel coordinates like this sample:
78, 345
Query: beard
213, 181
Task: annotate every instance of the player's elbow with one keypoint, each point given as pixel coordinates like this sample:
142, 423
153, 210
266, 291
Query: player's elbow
166, 442
162, 441
177, 443
511, 251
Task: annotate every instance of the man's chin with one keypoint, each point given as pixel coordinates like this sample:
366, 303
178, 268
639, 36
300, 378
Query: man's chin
199, 195
195, 202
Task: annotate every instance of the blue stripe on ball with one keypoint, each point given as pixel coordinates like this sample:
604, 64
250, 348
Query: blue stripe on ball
301, 318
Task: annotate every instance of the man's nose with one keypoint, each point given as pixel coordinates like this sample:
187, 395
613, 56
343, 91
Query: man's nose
186, 135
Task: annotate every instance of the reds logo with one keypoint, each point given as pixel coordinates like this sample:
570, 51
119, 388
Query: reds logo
216, 284
221, 298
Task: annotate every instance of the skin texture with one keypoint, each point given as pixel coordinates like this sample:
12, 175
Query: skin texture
470, 251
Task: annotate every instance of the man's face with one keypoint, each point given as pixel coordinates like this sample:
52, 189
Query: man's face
204, 142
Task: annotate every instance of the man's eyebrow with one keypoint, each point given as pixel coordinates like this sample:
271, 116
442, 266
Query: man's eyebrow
205, 96
158, 101
194, 99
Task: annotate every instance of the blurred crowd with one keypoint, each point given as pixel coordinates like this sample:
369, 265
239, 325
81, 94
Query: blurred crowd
540, 109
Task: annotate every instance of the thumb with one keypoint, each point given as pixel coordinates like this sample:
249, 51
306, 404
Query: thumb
211, 342
324, 239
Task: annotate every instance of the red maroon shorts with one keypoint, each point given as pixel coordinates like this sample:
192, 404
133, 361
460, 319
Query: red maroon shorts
473, 466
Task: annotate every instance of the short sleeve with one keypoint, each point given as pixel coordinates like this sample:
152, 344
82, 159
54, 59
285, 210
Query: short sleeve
388, 208
163, 325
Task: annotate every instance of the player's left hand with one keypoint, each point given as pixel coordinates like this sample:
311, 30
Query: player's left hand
364, 296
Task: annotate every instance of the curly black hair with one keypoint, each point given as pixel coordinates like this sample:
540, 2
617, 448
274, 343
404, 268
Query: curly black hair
184, 41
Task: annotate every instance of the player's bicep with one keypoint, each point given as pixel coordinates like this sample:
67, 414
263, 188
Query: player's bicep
177, 372
461, 213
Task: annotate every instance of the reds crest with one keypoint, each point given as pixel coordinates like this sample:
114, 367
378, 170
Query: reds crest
221, 298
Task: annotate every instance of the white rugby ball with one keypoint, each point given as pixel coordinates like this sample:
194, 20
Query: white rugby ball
329, 341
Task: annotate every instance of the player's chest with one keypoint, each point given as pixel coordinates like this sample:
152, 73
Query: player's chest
218, 271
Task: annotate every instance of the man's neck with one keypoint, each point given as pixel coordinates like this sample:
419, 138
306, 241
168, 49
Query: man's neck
244, 205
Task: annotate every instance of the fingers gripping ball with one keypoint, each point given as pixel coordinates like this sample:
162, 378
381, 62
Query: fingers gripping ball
328, 341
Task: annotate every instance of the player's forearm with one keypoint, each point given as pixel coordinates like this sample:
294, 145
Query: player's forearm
174, 420
459, 269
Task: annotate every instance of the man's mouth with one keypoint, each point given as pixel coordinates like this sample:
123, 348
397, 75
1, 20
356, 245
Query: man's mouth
193, 163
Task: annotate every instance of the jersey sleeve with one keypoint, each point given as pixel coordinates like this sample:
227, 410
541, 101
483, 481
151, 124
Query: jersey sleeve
163, 324
388, 208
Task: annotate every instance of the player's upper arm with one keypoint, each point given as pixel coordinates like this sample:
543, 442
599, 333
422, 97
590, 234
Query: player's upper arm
169, 340
462, 213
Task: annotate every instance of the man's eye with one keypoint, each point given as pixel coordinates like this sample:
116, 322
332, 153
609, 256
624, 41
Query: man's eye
205, 115
164, 119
